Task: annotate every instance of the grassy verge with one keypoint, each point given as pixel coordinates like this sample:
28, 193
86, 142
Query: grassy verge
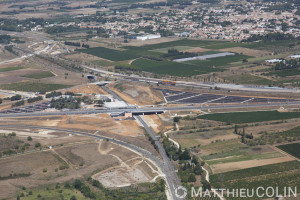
33, 87
7, 69
276, 175
246, 157
248, 79
40, 75
249, 117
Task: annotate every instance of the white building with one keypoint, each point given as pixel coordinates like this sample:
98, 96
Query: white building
295, 56
115, 104
148, 37
274, 61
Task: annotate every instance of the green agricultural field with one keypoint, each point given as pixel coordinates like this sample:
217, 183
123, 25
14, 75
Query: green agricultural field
171, 68
103, 63
40, 75
224, 149
249, 117
240, 158
248, 79
33, 87
155, 50
109, 54
184, 42
225, 45
179, 48
293, 149
7, 69
219, 62
275, 175
279, 137
284, 73
128, 53
256, 171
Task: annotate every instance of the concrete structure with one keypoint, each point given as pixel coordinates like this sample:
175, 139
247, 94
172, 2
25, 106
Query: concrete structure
295, 56
274, 61
148, 37
128, 115
115, 104
216, 55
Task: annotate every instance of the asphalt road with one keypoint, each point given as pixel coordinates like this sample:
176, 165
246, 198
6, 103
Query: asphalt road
147, 109
171, 176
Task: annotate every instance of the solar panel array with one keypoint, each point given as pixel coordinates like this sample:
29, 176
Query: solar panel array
181, 97
28, 109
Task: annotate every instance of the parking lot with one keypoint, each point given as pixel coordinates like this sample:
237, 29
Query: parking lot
28, 109
181, 97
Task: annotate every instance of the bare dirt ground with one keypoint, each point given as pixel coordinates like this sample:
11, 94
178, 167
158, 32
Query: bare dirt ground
16, 75
4, 107
31, 163
157, 124
46, 137
138, 95
271, 128
225, 167
87, 89
83, 160
43, 12
248, 52
147, 42
196, 50
205, 139
129, 171
96, 122
82, 57
35, 65
5, 55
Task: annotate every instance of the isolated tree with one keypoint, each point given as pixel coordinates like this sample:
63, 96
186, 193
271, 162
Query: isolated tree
37, 145
198, 169
176, 119
195, 160
206, 185
73, 198
192, 178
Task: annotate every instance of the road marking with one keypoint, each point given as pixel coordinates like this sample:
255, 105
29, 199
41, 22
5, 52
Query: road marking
214, 99
247, 100
175, 94
186, 98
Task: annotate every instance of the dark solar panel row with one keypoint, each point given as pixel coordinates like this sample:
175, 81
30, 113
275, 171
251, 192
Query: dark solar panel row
232, 99
168, 92
180, 96
201, 99
31, 108
174, 95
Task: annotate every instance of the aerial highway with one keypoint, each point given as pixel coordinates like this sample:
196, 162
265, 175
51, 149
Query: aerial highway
141, 110
171, 176
194, 84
